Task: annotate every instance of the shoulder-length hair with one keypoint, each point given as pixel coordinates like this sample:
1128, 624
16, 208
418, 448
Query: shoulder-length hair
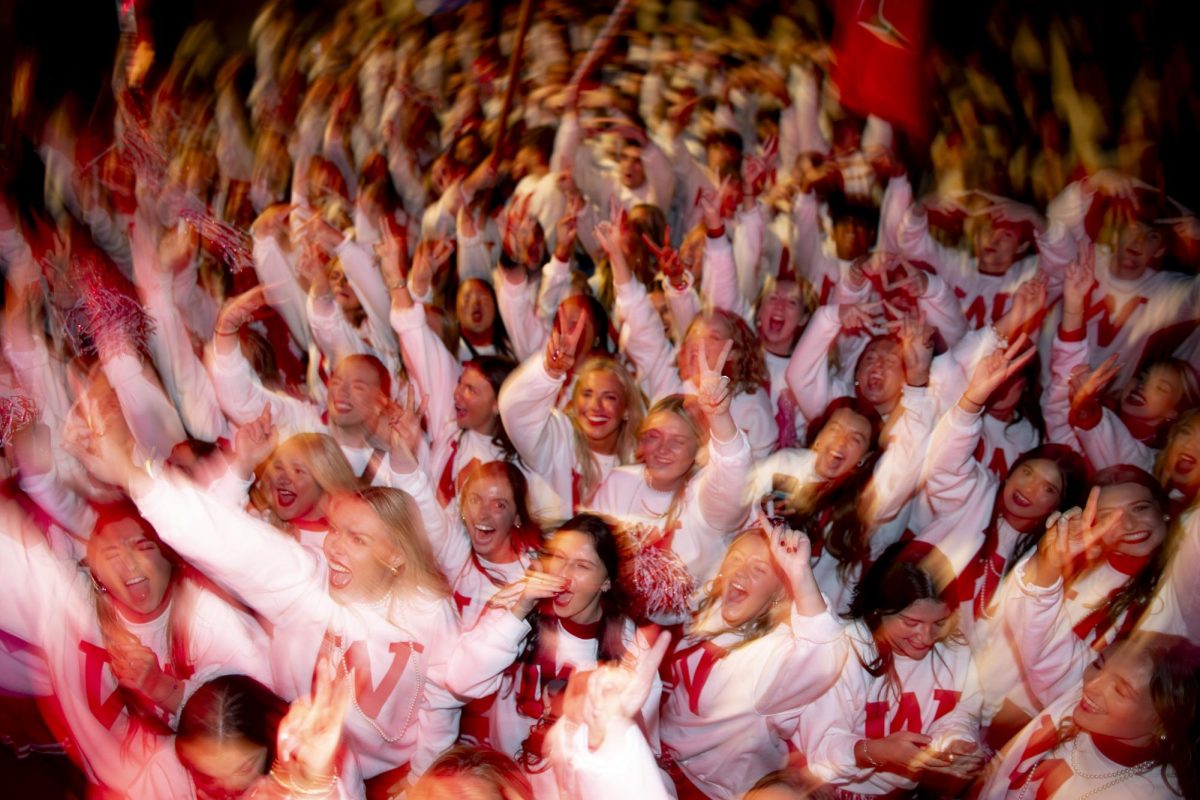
635, 410
401, 519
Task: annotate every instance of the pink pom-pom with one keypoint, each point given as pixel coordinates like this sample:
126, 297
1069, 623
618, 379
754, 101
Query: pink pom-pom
233, 242
653, 575
106, 319
16, 412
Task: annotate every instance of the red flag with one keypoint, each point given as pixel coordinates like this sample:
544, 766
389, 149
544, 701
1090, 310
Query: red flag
879, 49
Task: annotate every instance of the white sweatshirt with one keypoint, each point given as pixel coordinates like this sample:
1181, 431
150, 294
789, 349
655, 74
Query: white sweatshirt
52, 606
713, 506
937, 695
719, 721
401, 714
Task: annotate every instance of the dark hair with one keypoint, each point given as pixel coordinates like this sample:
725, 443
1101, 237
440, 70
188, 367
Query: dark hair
539, 138
495, 370
845, 532
500, 340
906, 572
1175, 691
232, 707
1029, 405
1073, 469
527, 535
544, 625
1135, 595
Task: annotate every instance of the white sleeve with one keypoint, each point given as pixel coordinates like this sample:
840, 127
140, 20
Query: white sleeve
723, 496
540, 433
1065, 356
806, 100
623, 765
808, 370
897, 198
448, 541
40, 586
962, 723
484, 651
749, 233
829, 728
684, 304
474, 259
526, 330
332, 332
556, 282
1070, 209
943, 310
1109, 443
896, 479
812, 261
951, 472
570, 156
646, 344
243, 396
151, 418
1052, 657
281, 289
914, 241
813, 647
429, 364
232, 548
719, 278
366, 281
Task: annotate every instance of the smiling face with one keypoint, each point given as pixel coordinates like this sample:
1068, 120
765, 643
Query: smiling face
749, 582
842, 444
1142, 525
780, 316
1032, 491
475, 407
354, 390
293, 491
131, 568
706, 335
222, 768
879, 374
667, 446
914, 631
1182, 456
489, 511
363, 561
599, 401
475, 307
1116, 698
1154, 396
572, 555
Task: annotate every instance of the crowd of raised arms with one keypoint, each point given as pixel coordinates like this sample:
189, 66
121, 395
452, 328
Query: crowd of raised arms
377, 425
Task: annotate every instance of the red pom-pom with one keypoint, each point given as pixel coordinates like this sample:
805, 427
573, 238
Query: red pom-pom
16, 412
654, 577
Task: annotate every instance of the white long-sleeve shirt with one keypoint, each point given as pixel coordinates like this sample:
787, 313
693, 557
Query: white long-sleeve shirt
396, 652
938, 696
719, 720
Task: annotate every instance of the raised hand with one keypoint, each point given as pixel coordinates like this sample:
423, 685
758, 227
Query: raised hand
522, 596
715, 392
392, 250
240, 310
993, 370
1077, 285
254, 442
792, 552
567, 228
1070, 537
916, 347
430, 258
1086, 386
716, 204
615, 694
311, 732
177, 249
398, 428
862, 317
1027, 304
562, 348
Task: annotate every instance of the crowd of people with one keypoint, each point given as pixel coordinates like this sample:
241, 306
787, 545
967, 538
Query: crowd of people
469, 402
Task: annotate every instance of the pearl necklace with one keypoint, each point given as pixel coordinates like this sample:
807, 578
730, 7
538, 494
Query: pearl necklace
1113, 778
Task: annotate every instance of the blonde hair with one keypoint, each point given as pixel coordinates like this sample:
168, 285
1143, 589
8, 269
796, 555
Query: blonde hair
675, 404
776, 613
635, 410
401, 517
325, 459
746, 367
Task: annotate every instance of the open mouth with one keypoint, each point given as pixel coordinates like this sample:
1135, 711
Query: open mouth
138, 588
342, 407
563, 599
460, 411
1086, 704
735, 593
1136, 398
1136, 537
775, 324
1184, 464
597, 420
284, 498
339, 576
1020, 500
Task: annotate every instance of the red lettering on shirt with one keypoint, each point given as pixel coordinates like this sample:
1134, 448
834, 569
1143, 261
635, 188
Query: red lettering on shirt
371, 697
946, 699
1111, 321
105, 711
